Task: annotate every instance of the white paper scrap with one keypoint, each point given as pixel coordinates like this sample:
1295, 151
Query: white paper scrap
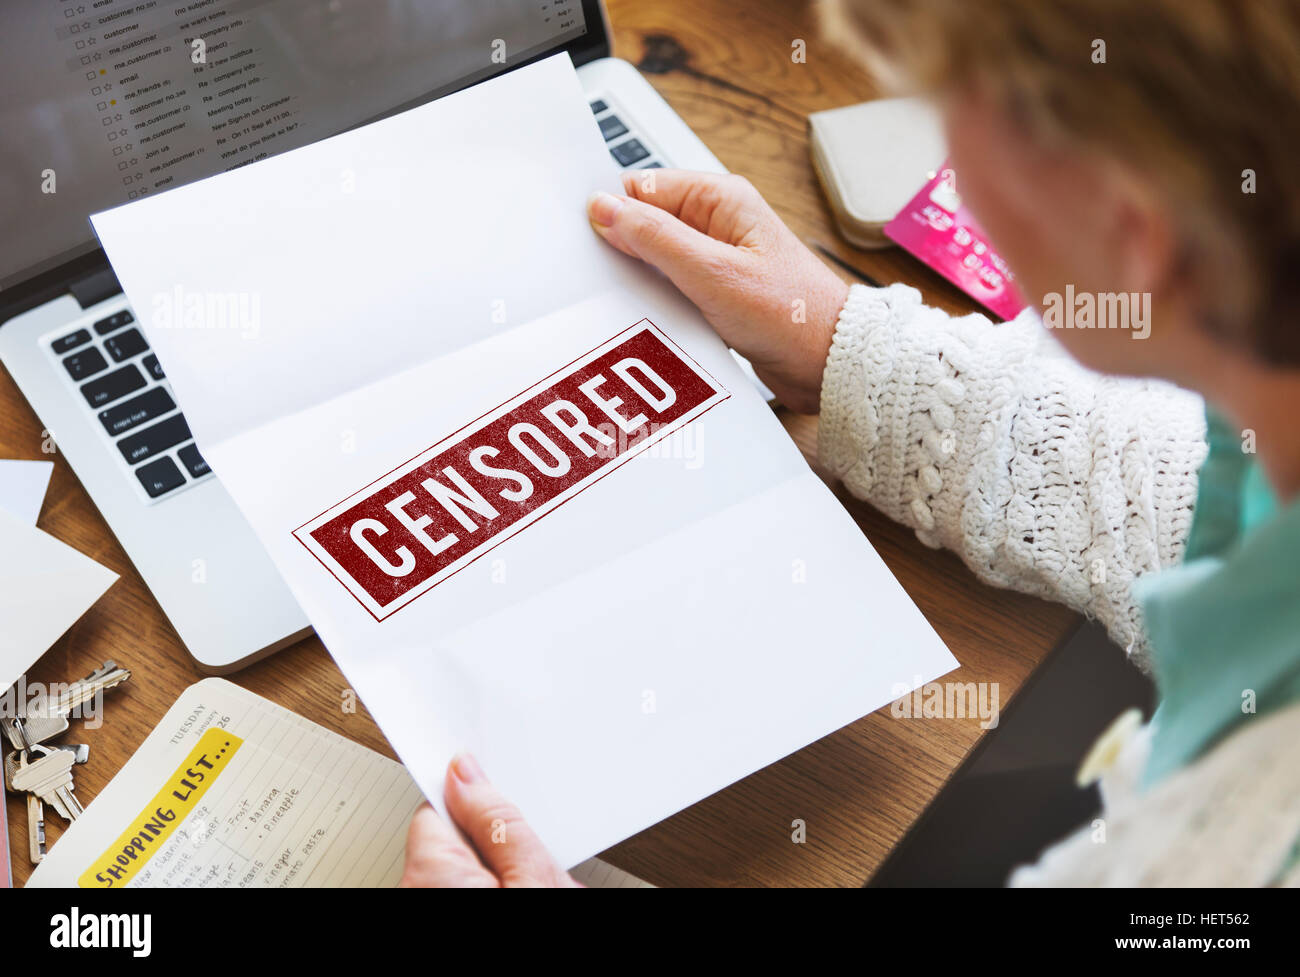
22, 487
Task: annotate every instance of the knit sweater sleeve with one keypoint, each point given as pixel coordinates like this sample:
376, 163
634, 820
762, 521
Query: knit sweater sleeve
991, 441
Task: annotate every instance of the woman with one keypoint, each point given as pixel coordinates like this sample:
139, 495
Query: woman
1113, 146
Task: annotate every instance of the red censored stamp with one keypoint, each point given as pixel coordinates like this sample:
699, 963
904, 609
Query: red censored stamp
411, 529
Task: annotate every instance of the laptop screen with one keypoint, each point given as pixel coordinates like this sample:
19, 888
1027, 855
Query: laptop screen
105, 101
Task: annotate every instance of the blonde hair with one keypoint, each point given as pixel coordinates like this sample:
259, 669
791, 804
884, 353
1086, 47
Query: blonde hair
1196, 96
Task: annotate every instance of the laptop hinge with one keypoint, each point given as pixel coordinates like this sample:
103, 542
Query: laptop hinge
94, 288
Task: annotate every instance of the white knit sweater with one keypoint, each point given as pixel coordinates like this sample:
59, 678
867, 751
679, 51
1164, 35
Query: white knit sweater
991, 441
1055, 481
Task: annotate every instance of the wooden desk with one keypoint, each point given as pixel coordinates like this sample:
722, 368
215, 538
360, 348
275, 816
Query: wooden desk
726, 67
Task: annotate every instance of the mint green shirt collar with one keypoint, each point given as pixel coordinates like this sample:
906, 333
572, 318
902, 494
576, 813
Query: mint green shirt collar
1224, 625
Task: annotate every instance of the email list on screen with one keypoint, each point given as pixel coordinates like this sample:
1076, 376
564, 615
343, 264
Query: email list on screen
138, 98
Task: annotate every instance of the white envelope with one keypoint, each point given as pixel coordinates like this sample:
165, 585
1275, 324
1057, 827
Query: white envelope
45, 586
700, 610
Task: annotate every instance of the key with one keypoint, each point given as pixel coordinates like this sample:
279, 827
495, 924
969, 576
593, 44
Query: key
26, 731
35, 806
21, 778
134, 412
16, 730
86, 363
108, 676
12, 762
116, 321
49, 776
629, 152
611, 127
160, 477
37, 729
194, 462
35, 828
71, 341
154, 440
80, 754
112, 386
80, 751
125, 345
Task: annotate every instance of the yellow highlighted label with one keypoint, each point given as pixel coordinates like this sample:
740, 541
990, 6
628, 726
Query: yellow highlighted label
149, 832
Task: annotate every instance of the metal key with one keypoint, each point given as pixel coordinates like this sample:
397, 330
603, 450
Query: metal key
49, 776
35, 828
14, 763
28, 730
31, 730
107, 676
16, 730
80, 751
80, 754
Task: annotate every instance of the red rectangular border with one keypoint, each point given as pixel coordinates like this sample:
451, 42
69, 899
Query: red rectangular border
720, 395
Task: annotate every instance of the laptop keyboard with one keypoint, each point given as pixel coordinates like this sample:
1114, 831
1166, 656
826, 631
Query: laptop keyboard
629, 150
123, 384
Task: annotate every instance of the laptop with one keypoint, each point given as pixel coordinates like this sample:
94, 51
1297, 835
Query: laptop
109, 102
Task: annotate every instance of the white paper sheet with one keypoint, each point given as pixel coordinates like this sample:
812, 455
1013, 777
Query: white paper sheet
22, 487
45, 586
704, 610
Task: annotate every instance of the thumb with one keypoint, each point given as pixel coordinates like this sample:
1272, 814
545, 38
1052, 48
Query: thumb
656, 237
497, 829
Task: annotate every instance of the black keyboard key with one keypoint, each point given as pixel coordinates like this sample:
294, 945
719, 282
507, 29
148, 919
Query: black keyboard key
656, 165
151, 364
111, 386
125, 345
84, 364
611, 127
71, 341
598, 106
629, 152
192, 460
159, 477
134, 412
114, 322
154, 440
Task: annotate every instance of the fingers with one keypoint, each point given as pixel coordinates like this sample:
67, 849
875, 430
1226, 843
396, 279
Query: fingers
496, 828
437, 857
647, 231
709, 202
694, 262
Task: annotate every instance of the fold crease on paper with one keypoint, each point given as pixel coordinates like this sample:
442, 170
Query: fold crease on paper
680, 622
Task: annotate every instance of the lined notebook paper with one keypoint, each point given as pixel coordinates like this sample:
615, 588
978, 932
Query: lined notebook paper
234, 791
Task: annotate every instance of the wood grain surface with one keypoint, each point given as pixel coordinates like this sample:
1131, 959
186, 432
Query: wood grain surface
726, 67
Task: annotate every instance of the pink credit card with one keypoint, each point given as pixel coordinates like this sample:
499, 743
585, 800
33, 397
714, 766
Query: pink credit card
937, 228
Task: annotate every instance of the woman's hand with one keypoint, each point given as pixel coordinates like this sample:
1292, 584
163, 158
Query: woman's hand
766, 294
498, 850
